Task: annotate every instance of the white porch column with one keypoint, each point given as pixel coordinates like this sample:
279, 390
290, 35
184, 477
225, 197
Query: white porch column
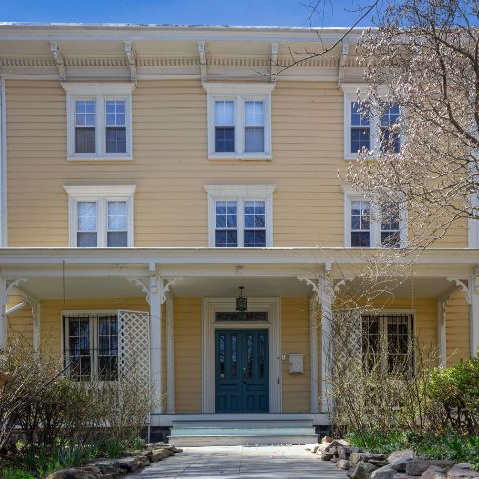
474, 312
3, 318
313, 347
170, 356
326, 298
155, 295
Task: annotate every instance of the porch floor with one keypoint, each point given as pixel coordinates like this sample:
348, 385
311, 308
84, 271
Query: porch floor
242, 461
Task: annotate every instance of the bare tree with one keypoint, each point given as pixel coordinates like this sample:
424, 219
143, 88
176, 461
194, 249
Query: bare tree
424, 57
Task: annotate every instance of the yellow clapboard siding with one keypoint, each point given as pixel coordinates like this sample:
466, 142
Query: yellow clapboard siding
295, 331
188, 357
457, 328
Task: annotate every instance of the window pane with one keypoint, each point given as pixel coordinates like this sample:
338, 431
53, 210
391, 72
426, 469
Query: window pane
224, 113
255, 238
86, 216
84, 140
117, 239
360, 215
390, 223
86, 240
254, 139
360, 240
358, 118
224, 139
85, 113
390, 140
117, 216
226, 238
360, 138
116, 140
78, 353
226, 214
254, 113
108, 348
115, 113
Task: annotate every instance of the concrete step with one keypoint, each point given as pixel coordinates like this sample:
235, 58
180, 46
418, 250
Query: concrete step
242, 432
241, 440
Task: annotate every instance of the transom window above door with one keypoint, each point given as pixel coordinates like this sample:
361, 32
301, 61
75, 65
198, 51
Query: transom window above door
240, 216
239, 121
101, 216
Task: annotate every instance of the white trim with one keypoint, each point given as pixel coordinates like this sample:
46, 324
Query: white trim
100, 93
239, 93
170, 356
273, 307
313, 346
101, 195
3, 165
240, 193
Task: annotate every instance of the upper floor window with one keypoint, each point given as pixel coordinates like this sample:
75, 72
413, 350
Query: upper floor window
99, 121
239, 121
371, 225
365, 129
101, 216
240, 216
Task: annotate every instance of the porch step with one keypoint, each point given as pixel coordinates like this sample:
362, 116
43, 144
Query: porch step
242, 432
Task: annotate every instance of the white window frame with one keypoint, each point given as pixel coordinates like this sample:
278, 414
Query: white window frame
101, 195
92, 316
100, 93
473, 224
351, 96
374, 226
239, 93
240, 193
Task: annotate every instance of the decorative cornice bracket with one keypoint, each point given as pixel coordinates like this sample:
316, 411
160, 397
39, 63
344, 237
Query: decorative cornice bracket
201, 47
343, 58
58, 60
131, 58
274, 61
465, 287
143, 286
13, 283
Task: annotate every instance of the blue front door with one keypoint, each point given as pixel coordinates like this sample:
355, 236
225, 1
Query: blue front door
242, 372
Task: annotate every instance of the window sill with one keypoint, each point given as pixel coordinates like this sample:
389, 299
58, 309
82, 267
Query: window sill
242, 157
99, 158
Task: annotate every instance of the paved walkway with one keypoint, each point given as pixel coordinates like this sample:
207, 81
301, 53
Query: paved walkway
269, 462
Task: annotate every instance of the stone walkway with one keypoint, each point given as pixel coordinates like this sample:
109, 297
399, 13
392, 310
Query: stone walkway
269, 462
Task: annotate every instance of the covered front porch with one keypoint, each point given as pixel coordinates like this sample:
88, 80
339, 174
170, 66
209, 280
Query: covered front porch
204, 359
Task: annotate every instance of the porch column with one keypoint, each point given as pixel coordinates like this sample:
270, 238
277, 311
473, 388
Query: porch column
3, 318
313, 346
326, 298
155, 295
474, 312
170, 357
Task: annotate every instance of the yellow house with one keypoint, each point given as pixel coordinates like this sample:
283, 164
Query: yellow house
147, 173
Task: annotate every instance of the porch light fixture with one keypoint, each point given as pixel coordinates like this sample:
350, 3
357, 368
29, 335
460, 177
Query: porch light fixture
241, 302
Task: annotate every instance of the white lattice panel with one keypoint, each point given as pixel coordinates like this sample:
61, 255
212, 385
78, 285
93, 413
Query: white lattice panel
134, 343
347, 337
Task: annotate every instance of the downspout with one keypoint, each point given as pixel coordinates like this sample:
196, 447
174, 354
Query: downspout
3, 164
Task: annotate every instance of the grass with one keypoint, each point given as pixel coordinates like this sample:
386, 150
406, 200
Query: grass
448, 447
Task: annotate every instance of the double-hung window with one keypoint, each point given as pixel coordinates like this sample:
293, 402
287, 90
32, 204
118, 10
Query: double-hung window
240, 216
367, 224
99, 121
387, 342
90, 345
101, 216
239, 121
367, 130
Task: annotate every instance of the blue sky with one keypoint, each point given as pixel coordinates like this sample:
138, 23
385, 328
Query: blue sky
189, 12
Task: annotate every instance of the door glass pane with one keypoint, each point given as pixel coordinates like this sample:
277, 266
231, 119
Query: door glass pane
221, 355
249, 356
234, 355
262, 355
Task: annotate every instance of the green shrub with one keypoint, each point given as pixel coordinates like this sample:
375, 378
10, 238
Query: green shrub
15, 473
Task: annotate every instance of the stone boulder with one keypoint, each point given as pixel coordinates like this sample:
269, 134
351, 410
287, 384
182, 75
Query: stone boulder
363, 470
343, 464
385, 472
457, 472
401, 456
417, 466
434, 472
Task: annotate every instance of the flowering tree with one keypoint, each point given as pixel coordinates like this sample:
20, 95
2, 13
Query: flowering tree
424, 57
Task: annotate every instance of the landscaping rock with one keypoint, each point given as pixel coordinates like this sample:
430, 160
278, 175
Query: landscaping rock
460, 473
385, 472
327, 439
326, 456
362, 470
130, 464
434, 472
401, 456
343, 464
143, 460
156, 455
417, 466
401, 466
401, 475
312, 447
335, 443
